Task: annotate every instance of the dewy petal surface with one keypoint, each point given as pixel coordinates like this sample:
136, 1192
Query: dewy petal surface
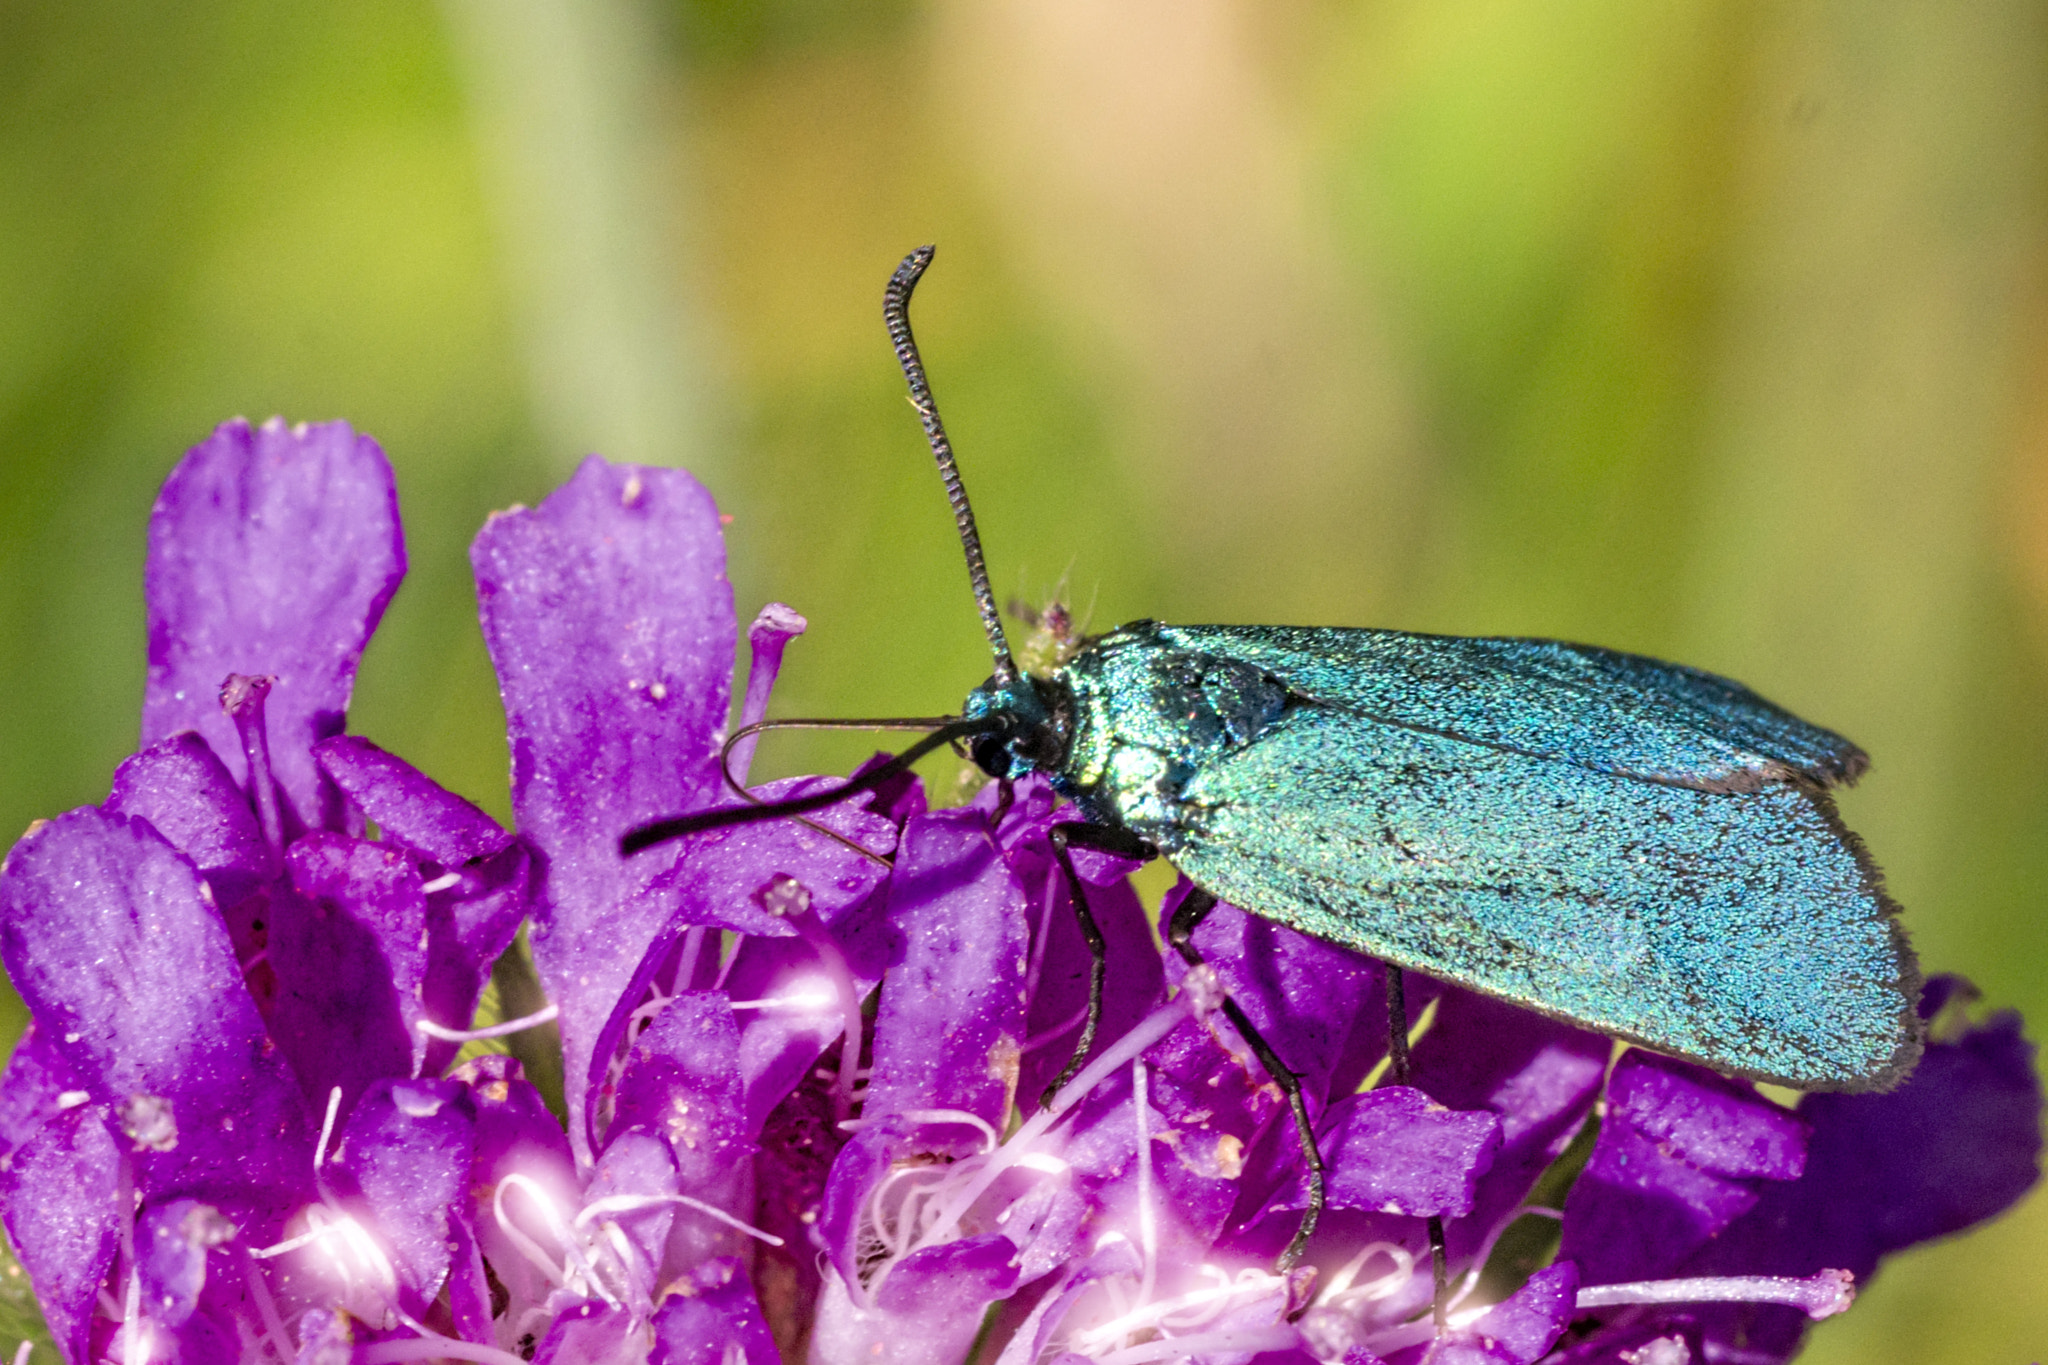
610, 622
272, 552
118, 955
55, 1190
180, 785
951, 1024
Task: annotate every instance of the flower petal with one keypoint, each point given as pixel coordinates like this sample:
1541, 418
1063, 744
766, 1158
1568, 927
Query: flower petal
715, 1320
1393, 1151
952, 1014
350, 952
609, 620
682, 1085
1681, 1155
181, 786
54, 1191
591, 1333
406, 1150
110, 941
482, 875
1529, 1322
272, 551
1304, 995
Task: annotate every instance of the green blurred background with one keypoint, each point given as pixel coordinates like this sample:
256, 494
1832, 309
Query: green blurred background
1710, 330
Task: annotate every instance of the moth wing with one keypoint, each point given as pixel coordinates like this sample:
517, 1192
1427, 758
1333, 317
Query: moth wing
1597, 708
1744, 930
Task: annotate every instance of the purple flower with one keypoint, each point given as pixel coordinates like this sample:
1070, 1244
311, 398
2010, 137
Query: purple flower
803, 1060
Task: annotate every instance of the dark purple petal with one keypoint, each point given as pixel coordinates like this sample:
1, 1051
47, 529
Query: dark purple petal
409, 807
482, 877
952, 1014
1681, 1154
714, 1320
1305, 996
1958, 1142
1394, 1151
1714, 1123
129, 974
406, 1150
609, 620
57, 1192
350, 952
180, 785
272, 552
469, 1288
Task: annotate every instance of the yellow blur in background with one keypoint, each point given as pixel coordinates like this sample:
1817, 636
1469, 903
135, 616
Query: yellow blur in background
1708, 330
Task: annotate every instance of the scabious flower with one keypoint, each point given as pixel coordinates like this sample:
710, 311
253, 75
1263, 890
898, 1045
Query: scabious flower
802, 1059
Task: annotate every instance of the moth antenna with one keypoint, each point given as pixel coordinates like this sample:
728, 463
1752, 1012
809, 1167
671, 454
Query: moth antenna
896, 312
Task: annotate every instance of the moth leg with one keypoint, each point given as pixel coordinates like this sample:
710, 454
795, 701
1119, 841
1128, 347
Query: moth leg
1180, 932
1398, 1069
1103, 839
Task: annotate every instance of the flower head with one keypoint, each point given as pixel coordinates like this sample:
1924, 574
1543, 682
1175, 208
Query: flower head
804, 1059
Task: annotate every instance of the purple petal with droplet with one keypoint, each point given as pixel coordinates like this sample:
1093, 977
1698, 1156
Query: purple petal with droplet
171, 1245
127, 968
681, 1085
1715, 1123
1958, 1142
33, 1088
1529, 1322
272, 551
638, 1165
609, 620
515, 1134
406, 1150
952, 1013
55, 1192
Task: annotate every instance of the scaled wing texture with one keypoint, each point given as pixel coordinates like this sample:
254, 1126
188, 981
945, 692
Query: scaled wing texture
1634, 846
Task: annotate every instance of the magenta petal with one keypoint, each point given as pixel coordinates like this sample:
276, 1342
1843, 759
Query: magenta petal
469, 1287
56, 1190
350, 954
1526, 1324
171, 1245
272, 551
1715, 1123
591, 1334
949, 1281
714, 1320
609, 620
952, 1014
1305, 996
409, 807
181, 786
406, 1150
33, 1088
482, 876
125, 965
1392, 1151
681, 1084
1681, 1155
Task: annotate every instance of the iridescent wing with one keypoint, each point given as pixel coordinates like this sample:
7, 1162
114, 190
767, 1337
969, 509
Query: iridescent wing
1635, 847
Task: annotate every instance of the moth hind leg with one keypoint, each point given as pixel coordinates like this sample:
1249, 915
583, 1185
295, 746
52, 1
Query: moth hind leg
1180, 933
